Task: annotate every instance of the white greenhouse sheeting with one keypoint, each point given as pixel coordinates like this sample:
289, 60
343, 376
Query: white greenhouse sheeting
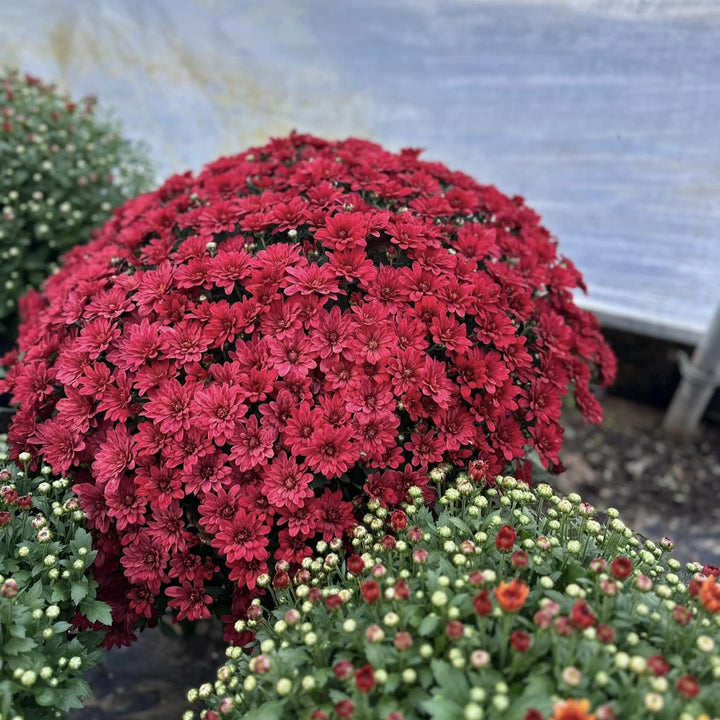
602, 113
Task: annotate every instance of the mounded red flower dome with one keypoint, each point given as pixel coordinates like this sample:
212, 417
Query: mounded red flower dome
241, 357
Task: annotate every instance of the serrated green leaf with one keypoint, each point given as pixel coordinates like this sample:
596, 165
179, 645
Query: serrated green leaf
267, 711
59, 594
96, 611
336, 695
82, 539
17, 629
459, 524
441, 708
34, 593
428, 625
379, 655
452, 681
537, 694
71, 692
46, 696
16, 646
390, 686
79, 591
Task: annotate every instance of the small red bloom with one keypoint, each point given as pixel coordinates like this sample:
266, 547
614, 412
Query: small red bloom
621, 567
482, 604
402, 590
682, 615
688, 686
564, 626
505, 538
370, 591
365, 678
398, 520
520, 640
605, 633
476, 578
658, 665
355, 564
581, 615
454, 629
343, 669
281, 580
533, 714
694, 585
344, 709
191, 601
333, 601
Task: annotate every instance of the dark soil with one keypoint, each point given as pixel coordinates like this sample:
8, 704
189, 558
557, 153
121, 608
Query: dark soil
661, 486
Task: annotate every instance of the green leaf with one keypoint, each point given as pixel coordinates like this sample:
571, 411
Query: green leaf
390, 686
79, 591
428, 625
70, 693
17, 629
46, 697
267, 711
34, 593
15, 646
82, 539
459, 524
440, 708
59, 594
379, 655
96, 611
537, 694
452, 681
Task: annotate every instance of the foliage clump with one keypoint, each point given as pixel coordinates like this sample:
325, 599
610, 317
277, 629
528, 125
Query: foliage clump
63, 169
48, 601
506, 603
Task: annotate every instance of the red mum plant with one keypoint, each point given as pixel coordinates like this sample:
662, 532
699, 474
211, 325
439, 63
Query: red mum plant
240, 356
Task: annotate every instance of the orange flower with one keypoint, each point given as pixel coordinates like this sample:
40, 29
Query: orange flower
512, 596
572, 710
710, 595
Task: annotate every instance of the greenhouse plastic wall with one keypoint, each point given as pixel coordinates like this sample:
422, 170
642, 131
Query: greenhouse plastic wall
602, 114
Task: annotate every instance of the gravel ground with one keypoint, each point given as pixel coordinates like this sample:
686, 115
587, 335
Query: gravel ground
661, 486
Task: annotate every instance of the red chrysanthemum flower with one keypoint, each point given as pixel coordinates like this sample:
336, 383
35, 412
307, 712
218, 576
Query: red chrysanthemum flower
190, 599
505, 538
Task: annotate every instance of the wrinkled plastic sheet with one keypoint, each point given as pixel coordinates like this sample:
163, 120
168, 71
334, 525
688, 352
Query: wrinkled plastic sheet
602, 114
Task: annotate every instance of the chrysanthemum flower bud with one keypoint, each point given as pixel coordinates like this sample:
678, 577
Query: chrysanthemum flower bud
10, 588
283, 687
571, 676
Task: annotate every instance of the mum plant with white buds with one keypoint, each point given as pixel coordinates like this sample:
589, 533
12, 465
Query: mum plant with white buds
47, 598
502, 602
63, 169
